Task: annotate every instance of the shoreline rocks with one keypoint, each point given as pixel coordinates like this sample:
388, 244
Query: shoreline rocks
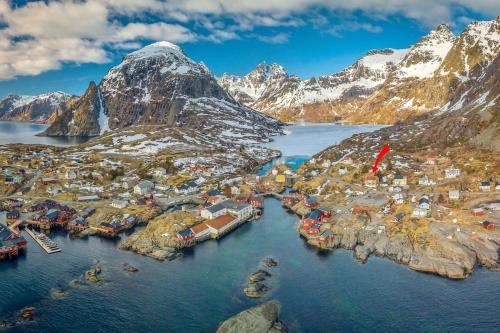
263, 318
443, 251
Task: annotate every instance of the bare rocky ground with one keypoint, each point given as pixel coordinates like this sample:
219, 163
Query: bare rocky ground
262, 318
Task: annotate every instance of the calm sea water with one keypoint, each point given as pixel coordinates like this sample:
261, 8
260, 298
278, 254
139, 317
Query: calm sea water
319, 292
21, 132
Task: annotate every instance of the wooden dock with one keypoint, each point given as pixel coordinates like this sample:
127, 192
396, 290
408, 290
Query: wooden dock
42, 242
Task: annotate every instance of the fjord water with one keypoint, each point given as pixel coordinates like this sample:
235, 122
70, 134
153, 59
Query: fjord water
319, 291
23, 132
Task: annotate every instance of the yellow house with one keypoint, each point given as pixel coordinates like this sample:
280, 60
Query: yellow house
399, 180
280, 178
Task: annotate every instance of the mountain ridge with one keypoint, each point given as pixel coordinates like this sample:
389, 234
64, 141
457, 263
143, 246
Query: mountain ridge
38, 108
380, 87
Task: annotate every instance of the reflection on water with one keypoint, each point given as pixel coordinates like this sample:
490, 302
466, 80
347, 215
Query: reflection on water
21, 132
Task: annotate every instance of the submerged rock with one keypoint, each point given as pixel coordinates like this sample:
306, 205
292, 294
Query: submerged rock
129, 268
57, 293
262, 318
255, 290
92, 275
259, 276
27, 313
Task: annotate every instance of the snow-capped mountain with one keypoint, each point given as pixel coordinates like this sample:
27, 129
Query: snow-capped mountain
160, 85
287, 97
33, 108
384, 86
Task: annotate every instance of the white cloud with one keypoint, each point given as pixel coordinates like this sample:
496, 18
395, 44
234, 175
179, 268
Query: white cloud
353, 26
36, 37
280, 38
154, 31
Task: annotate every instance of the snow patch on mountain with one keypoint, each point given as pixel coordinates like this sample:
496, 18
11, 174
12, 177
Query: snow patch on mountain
427, 55
103, 118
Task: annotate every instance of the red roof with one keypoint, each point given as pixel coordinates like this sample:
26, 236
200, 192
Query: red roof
199, 228
220, 221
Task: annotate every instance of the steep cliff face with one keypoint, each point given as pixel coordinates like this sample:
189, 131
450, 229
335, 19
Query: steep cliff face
385, 86
158, 85
33, 108
80, 120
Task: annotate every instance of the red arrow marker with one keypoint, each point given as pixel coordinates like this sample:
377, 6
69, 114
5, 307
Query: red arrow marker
384, 151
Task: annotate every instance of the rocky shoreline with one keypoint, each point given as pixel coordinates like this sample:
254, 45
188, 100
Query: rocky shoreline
444, 250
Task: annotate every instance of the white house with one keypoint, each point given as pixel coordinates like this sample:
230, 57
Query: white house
426, 181
419, 212
160, 172
451, 172
424, 203
144, 187
454, 194
484, 186
235, 190
70, 174
398, 198
326, 164
187, 188
120, 204
242, 210
213, 212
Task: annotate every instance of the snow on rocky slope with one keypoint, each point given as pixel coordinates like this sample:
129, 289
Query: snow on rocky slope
32, 108
160, 85
384, 86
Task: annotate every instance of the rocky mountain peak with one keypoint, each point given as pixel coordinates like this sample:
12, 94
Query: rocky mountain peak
157, 85
164, 56
427, 55
265, 71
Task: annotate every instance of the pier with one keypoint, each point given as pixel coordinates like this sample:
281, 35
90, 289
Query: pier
44, 242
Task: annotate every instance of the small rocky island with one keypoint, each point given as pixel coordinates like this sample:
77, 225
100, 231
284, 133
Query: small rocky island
262, 318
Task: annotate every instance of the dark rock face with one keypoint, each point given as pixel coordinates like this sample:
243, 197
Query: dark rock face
82, 119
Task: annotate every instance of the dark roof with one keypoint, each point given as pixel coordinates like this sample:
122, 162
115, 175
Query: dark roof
234, 205
314, 214
216, 208
327, 233
185, 232
423, 200
213, 192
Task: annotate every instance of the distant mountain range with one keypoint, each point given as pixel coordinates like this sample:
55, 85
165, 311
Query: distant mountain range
34, 108
160, 85
443, 77
384, 86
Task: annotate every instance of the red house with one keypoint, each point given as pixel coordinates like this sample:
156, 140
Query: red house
313, 230
110, 228
477, 211
310, 202
185, 234
488, 225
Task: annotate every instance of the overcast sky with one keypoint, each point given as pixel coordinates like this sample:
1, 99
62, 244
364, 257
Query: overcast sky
61, 45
